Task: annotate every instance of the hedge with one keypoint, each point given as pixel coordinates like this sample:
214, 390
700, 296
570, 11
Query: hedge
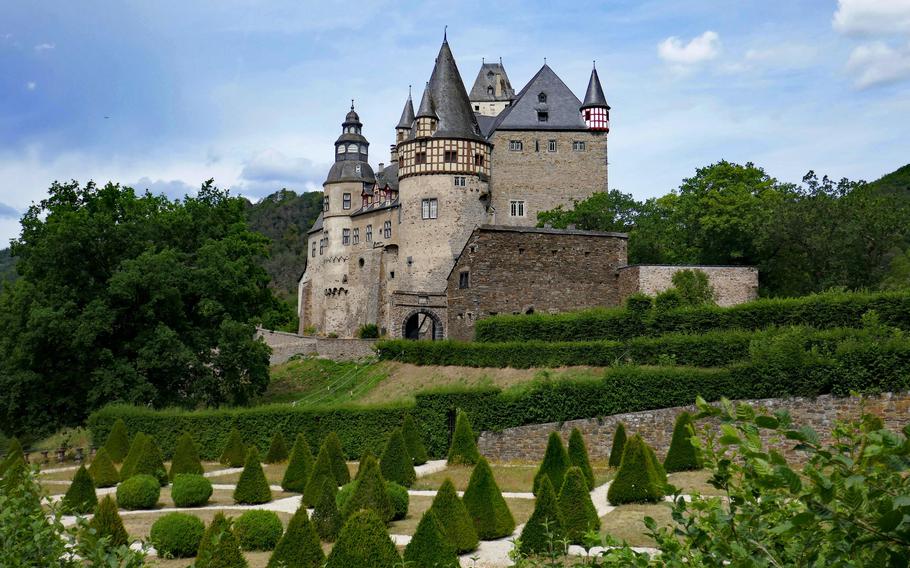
820, 311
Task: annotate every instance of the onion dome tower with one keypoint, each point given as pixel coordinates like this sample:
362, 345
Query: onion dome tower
595, 109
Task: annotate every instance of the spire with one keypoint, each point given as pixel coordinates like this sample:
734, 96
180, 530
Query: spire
426, 105
407, 114
594, 96
450, 103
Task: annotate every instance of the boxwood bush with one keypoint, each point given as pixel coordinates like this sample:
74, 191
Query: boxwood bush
258, 530
177, 535
139, 492
191, 490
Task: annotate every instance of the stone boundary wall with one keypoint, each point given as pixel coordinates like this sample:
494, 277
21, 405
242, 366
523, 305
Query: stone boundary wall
732, 284
285, 345
528, 443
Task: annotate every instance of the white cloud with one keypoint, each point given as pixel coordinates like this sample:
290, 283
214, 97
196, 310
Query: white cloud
8, 212
44, 47
174, 189
700, 49
270, 170
877, 63
872, 17
31, 85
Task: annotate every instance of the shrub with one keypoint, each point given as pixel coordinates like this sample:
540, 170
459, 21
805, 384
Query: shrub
326, 516
322, 470
578, 456
278, 450
234, 453
463, 450
299, 547
137, 447
369, 492
258, 530
252, 487
368, 331
14, 453
177, 535
668, 300
395, 463
484, 502
578, 512
398, 497
363, 460
103, 471
363, 541
416, 449
429, 546
300, 465
682, 455
118, 442
106, 522
226, 553
186, 457
555, 463
80, 498
546, 524
619, 444
454, 518
191, 490
219, 526
151, 463
694, 288
336, 458
638, 480
139, 492
639, 304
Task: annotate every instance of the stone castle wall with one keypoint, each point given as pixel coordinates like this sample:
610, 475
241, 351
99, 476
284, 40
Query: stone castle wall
732, 284
528, 443
286, 345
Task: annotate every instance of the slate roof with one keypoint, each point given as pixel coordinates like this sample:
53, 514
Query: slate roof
486, 123
317, 225
594, 96
373, 208
346, 170
426, 104
389, 176
486, 78
562, 106
407, 114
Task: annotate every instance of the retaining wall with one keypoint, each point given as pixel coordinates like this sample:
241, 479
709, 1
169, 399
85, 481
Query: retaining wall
285, 345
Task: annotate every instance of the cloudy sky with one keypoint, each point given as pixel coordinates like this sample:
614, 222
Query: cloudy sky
165, 94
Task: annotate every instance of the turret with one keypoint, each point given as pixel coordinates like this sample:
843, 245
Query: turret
406, 122
595, 110
426, 115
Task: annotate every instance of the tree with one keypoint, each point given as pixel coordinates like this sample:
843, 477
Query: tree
102, 470
151, 462
395, 463
619, 444
693, 287
545, 527
578, 512
412, 439
118, 441
252, 487
578, 456
638, 479
484, 502
451, 513
299, 546
14, 454
326, 516
210, 538
137, 447
226, 552
80, 498
300, 465
278, 451
555, 462
322, 470
370, 492
429, 546
463, 450
363, 541
234, 453
336, 457
186, 457
106, 522
682, 455
611, 211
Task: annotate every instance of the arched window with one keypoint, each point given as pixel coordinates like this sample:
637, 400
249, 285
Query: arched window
352, 147
341, 148
542, 98
490, 90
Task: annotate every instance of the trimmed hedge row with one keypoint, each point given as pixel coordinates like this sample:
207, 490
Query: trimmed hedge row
822, 311
787, 366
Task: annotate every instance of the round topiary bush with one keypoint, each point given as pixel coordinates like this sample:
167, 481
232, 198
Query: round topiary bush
139, 492
398, 495
177, 535
258, 530
191, 490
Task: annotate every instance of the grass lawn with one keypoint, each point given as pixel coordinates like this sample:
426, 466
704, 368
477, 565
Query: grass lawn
626, 522
690, 482
510, 478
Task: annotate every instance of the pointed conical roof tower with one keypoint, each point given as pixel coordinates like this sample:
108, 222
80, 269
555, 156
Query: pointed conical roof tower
449, 99
595, 109
407, 114
425, 110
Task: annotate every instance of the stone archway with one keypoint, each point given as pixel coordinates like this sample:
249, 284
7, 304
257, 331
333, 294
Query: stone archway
422, 324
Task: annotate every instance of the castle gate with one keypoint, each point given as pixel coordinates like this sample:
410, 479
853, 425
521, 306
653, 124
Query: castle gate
422, 324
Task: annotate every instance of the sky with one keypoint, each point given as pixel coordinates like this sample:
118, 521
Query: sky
164, 95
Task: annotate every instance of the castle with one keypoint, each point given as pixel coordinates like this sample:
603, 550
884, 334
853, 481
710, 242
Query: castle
395, 246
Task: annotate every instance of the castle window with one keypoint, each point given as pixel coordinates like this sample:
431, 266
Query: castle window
345, 237
460, 181
516, 208
464, 279
357, 169
476, 107
346, 201
578, 146
387, 230
515, 145
314, 249
490, 90
369, 235
537, 145
428, 209
352, 147
420, 157
587, 114
341, 149
551, 145
325, 203
542, 97
543, 116
357, 238
400, 162
450, 156
478, 160
392, 275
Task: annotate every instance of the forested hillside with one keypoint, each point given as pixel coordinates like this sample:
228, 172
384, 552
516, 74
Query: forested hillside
7, 265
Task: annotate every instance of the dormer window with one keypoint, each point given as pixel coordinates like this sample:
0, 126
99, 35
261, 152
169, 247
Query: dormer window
490, 90
542, 97
543, 116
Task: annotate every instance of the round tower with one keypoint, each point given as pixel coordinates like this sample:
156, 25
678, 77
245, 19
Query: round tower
595, 110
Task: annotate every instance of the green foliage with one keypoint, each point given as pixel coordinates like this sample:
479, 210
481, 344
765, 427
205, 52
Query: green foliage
252, 487
191, 490
578, 512
321, 471
368, 331
429, 546
398, 497
103, 471
176, 535
898, 275
300, 465
138, 492
369, 493
694, 287
611, 211
151, 462
278, 450
106, 523
219, 526
186, 457
137, 447
336, 457
14, 453
452, 515
395, 463
639, 304
484, 502
463, 450
578, 457
118, 442
299, 547
80, 498
412, 439
226, 553
326, 516
546, 520
638, 479
363, 541
682, 455
258, 530
555, 463
178, 280
234, 453
668, 300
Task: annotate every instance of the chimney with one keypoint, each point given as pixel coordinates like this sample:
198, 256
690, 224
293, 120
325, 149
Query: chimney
498, 85
381, 167
393, 150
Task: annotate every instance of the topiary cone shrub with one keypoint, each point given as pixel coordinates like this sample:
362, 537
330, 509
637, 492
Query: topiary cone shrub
682, 455
118, 441
14, 454
545, 525
226, 552
258, 530
364, 541
322, 470
484, 502
300, 466
451, 513
370, 493
107, 522
190, 490
619, 444
463, 450
137, 447
177, 535
234, 453
578, 512
414, 441
80, 498
396, 465
326, 516
363, 459
252, 487
638, 480
299, 547
578, 456
138, 492
555, 463
151, 463
213, 533
103, 471
336, 457
186, 458
429, 546
278, 450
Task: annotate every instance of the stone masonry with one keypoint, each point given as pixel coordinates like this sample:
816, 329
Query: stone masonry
732, 284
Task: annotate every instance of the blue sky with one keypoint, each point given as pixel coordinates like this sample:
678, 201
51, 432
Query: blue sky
166, 94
